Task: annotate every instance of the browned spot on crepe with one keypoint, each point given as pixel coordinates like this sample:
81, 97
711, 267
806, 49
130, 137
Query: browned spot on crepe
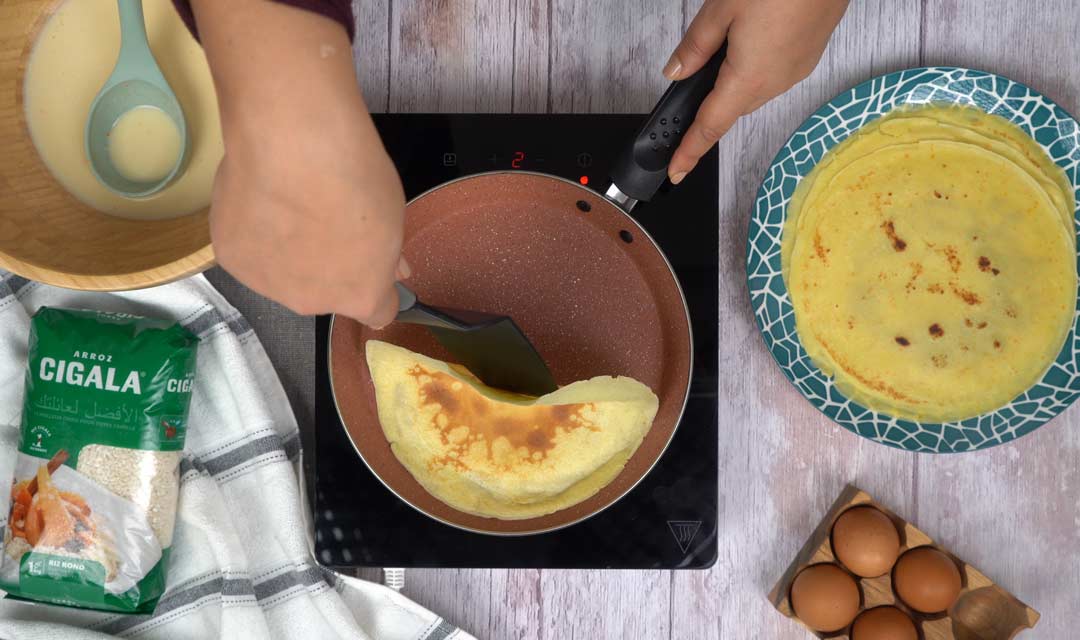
968, 297
820, 249
898, 243
953, 257
916, 271
533, 428
986, 267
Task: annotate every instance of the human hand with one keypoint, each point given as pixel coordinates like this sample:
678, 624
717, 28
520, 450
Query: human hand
772, 45
307, 208
309, 219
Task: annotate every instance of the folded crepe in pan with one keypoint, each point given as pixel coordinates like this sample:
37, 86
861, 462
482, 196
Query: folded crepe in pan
931, 263
502, 455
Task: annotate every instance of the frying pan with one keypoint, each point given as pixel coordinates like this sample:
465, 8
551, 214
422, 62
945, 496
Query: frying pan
586, 283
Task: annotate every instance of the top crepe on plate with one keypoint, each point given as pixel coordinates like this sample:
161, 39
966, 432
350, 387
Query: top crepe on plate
501, 455
930, 260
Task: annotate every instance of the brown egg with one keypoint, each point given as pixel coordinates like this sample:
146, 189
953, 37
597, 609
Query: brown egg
884, 623
927, 580
825, 597
865, 541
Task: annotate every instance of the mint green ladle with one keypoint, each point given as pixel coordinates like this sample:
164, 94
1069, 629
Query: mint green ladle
136, 81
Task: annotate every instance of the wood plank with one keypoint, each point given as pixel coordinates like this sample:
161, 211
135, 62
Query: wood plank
1033, 42
462, 596
530, 59
489, 603
371, 52
515, 601
605, 604
459, 56
781, 462
1013, 511
606, 56
451, 56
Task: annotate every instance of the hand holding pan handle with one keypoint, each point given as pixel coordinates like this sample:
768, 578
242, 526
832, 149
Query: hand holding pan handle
640, 169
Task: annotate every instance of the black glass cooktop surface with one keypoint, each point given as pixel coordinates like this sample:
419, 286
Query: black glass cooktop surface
669, 519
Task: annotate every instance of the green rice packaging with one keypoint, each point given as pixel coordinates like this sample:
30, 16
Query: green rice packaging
90, 510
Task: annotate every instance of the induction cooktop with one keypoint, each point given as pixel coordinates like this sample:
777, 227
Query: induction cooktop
669, 520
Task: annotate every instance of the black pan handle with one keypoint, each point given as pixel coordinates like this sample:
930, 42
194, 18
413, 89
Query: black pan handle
641, 168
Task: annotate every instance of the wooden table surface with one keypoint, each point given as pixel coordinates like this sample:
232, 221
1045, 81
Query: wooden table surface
1012, 511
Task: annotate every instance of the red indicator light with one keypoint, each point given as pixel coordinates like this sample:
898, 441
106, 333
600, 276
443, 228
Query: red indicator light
584, 179
518, 157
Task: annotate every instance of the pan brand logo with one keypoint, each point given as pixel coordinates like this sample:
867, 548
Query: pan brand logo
684, 531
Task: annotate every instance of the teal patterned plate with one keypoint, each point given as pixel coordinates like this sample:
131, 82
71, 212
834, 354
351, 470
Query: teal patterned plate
1054, 129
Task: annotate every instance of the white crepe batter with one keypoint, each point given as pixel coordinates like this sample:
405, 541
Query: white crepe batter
144, 144
71, 59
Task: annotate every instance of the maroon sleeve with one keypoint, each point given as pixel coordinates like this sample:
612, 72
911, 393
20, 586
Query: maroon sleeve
339, 11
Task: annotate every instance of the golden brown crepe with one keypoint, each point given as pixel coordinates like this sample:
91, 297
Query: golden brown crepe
501, 455
931, 263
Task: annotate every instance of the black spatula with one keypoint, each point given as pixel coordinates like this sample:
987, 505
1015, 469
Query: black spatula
492, 347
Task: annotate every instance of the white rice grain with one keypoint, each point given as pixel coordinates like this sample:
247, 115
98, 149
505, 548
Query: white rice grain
150, 479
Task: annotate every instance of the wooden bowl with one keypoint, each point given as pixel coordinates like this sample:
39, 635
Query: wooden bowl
48, 235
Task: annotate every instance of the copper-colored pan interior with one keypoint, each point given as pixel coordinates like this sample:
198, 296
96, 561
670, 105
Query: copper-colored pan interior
555, 257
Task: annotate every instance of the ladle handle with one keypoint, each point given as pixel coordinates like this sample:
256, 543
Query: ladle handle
133, 39
641, 168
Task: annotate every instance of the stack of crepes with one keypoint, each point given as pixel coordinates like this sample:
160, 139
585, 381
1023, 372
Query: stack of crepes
500, 455
931, 262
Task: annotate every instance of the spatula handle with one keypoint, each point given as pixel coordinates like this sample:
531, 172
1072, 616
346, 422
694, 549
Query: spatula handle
412, 311
406, 297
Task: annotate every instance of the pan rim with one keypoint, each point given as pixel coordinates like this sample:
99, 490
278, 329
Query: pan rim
641, 476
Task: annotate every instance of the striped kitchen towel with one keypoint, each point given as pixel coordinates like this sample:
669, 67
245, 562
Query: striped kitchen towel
240, 564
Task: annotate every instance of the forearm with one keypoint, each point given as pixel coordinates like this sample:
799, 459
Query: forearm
275, 65
337, 10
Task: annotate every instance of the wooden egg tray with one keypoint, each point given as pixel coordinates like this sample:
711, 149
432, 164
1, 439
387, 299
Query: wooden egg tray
983, 611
